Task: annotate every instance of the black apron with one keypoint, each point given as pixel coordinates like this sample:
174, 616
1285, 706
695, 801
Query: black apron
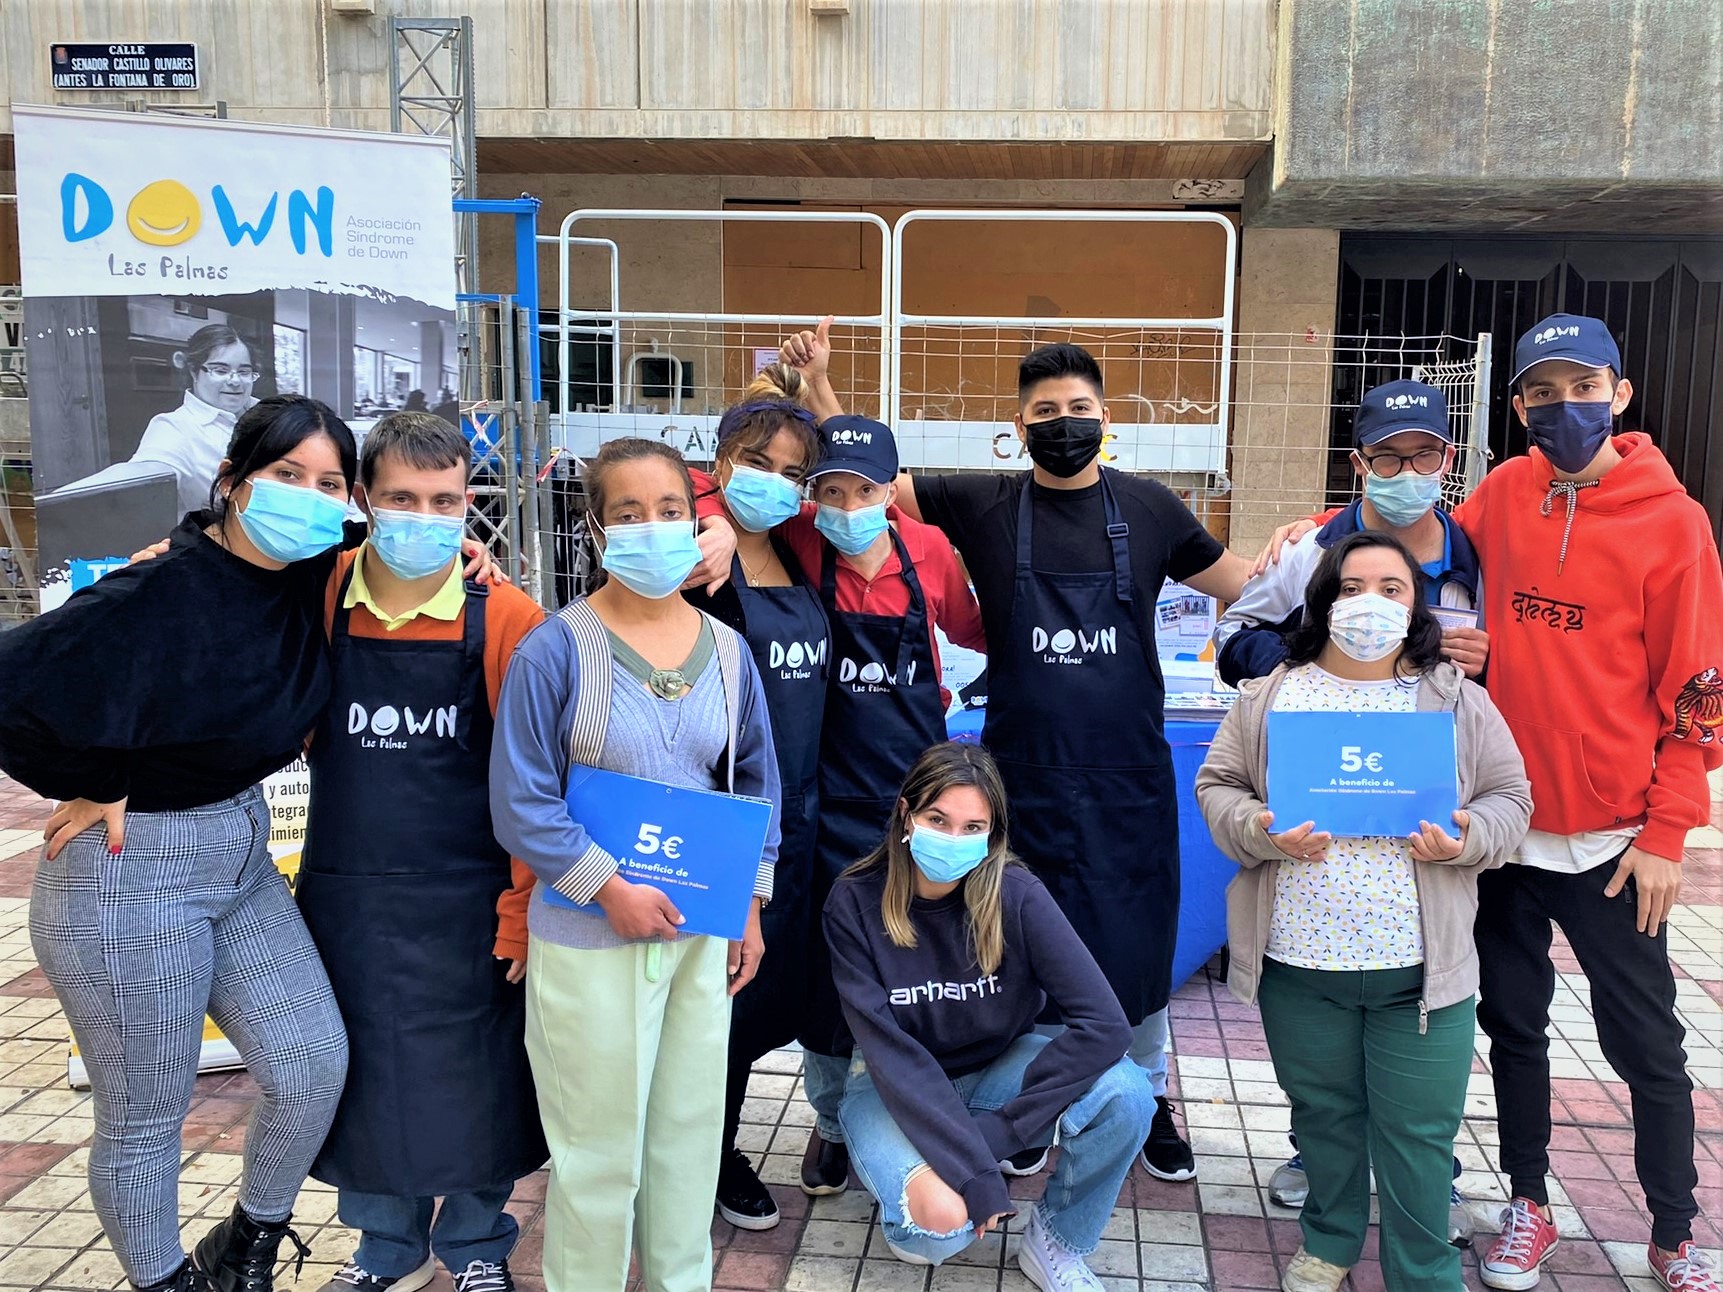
1074, 719
399, 885
787, 632
883, 708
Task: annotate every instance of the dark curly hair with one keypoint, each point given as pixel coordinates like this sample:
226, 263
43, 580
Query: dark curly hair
1423, 636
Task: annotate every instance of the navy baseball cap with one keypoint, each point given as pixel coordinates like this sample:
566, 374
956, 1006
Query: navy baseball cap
1574, 337
1398, 406
858, 445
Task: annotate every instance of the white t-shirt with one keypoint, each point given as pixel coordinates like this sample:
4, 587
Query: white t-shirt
1358, 907
1573, 854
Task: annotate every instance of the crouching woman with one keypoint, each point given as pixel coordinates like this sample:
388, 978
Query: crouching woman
944, 950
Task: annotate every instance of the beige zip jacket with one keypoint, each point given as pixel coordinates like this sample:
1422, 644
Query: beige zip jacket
1233, 783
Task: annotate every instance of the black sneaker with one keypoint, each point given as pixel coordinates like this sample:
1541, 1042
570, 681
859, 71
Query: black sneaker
485, 1276
742, 1199
354, 1277
1166, 1156
1028, 1162
825, 1167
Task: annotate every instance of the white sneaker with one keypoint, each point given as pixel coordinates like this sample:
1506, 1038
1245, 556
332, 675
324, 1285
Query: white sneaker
905, 1255
1048, 1265
1309, 1273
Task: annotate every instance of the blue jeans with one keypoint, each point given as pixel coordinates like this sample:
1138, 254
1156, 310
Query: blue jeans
1098, 1136
1148, 1046
397, 1234
823, 1078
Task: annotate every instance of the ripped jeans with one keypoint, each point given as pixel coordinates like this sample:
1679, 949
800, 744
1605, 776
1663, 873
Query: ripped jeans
1098, 1136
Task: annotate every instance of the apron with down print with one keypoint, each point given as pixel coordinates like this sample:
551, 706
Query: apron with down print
399, 888
786, 630
1087, 771
883, 708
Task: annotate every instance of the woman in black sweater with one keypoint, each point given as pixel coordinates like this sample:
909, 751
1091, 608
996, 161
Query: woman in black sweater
944, 950
151, 704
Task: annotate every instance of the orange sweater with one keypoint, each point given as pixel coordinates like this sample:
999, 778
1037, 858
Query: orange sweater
1606, 642
509, 616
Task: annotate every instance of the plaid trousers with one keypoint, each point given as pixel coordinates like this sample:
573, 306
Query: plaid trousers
190, 918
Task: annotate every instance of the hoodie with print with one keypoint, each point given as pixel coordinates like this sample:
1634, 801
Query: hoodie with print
1605, 607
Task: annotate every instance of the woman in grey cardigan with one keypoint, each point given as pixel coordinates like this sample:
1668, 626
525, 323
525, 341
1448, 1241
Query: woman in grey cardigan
1359, 950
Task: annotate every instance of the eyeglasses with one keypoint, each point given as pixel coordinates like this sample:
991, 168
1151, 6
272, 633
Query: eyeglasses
1426, 462
221, 372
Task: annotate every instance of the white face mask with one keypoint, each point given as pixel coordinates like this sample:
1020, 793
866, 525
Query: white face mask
1368, 627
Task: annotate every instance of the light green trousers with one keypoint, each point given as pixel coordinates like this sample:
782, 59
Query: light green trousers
628, 1048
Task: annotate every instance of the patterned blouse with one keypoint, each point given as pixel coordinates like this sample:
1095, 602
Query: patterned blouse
1358, 907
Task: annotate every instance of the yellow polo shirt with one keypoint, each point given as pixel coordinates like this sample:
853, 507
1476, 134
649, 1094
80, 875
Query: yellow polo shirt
446, 603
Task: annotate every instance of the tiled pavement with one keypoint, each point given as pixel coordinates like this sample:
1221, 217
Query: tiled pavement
1218, 1233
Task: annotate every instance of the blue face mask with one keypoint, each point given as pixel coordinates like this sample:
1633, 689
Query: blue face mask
288, 523
652, 558
415, 545
1403, 499
946, 858
851, 532
1569, 433
760, 499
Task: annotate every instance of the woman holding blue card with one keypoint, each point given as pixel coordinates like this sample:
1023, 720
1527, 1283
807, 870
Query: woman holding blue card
627, 1022
1359, 949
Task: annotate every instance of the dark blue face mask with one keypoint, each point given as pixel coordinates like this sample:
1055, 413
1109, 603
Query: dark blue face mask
1570, 433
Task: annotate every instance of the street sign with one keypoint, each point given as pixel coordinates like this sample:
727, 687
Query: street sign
125, 67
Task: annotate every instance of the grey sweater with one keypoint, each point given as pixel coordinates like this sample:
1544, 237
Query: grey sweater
565, 700
1233, 784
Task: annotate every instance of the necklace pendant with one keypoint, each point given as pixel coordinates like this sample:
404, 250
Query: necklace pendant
667, 683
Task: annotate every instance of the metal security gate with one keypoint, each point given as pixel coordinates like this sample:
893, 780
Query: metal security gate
1661, 298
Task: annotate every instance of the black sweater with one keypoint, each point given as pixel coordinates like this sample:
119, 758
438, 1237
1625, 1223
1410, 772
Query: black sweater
925, 1015
172, 683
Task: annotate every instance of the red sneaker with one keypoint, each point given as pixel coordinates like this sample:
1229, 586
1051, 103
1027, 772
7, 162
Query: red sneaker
1524, 1244
1689, 1270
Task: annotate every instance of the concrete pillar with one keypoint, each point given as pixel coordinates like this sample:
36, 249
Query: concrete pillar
333, 326
1288, 283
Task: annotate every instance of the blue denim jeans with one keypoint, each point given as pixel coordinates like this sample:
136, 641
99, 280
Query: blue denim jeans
1098, 1138
396, 1234
1148, 1046
824, 1077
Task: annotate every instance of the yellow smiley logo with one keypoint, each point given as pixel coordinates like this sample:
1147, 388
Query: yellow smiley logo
164, 214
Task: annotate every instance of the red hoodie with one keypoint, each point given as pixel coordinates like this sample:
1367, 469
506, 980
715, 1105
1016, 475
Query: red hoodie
1607, 662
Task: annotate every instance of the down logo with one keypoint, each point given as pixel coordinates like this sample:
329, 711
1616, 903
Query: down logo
1072, 645
386, 722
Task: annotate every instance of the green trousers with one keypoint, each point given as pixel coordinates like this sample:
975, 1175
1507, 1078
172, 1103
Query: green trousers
628, 1048
1367, 1090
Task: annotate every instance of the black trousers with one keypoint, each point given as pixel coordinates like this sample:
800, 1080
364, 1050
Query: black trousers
1633, 1004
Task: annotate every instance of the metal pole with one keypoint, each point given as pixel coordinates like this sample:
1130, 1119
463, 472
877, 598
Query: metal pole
532, 537
509, 438
1480, 430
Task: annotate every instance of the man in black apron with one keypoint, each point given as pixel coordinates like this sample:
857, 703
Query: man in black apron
400, 885
1068, 562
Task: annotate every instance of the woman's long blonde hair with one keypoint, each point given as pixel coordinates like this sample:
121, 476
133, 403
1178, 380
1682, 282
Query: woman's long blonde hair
937, 770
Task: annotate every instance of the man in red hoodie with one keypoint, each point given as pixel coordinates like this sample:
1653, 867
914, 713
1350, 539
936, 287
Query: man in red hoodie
1602, 593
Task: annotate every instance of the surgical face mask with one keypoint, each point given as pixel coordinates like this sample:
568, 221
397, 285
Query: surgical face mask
1063, 446
1403, 499
1569, 433
288, 523
946, 858
760, 499
1368, 627
413, 544
851, 532
652, 558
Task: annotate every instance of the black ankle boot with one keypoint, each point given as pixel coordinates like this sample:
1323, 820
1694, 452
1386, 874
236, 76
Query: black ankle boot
187, 1278
239, 1254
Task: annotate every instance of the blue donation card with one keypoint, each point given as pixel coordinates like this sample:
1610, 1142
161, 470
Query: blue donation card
701, 848
1358, 774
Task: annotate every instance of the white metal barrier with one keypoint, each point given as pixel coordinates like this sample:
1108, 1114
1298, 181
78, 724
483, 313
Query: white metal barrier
1173, 373
689, 421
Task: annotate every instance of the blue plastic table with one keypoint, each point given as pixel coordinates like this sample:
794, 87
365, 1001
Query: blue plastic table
1204, 872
